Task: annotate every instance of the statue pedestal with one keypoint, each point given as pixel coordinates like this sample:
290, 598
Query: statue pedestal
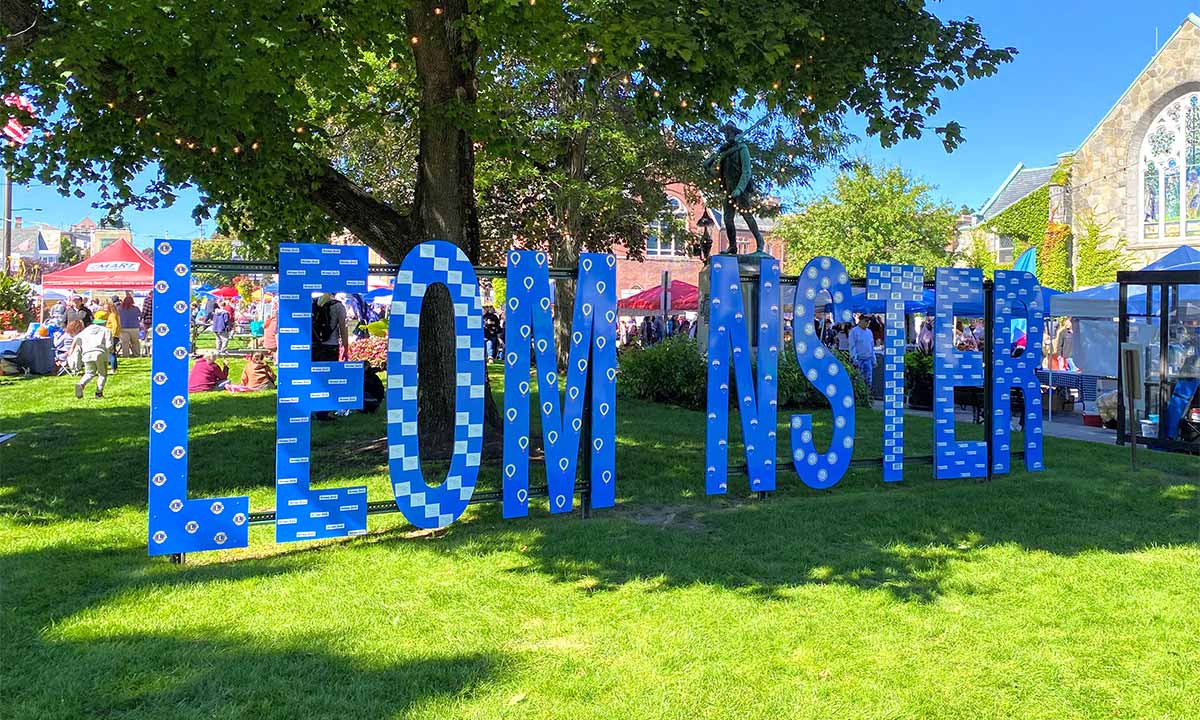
749, 271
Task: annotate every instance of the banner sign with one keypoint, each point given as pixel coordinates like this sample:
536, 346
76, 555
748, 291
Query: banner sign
581, 424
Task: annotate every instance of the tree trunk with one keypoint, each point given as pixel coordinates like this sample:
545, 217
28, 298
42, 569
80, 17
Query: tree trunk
443, 208
444, 202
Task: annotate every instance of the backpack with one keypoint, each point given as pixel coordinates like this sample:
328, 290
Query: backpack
220, 321
322, 321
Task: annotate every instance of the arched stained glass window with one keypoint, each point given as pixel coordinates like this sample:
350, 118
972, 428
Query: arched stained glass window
1170, 163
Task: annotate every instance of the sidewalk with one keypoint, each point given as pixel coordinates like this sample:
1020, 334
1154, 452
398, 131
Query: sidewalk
1065, 425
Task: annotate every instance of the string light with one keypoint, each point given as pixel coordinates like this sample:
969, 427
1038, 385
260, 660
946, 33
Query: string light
437, 11
657, 93
414, 39
178, 141
300, 130
213, 149
254, 145
593, 60
393, 65
237, 149
683, 103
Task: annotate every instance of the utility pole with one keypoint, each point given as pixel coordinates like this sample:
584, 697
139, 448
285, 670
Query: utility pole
8, 219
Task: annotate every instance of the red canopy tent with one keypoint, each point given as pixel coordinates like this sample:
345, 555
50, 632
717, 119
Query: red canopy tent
226, 292
119, 266
684, 298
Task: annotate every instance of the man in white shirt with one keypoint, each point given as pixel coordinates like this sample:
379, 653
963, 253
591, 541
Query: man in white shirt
862, 348
93, 343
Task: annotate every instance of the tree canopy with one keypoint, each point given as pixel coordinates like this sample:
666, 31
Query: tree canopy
872, 215
246, 101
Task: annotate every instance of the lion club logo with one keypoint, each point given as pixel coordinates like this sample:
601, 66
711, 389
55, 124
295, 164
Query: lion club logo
180, 352
160, 378
161, 286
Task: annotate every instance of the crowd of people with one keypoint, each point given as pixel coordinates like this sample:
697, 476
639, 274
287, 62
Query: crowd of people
653, 330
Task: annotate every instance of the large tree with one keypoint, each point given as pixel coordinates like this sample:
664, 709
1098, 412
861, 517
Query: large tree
872, 215
243, 99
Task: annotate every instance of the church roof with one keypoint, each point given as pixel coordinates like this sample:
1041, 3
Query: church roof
1020, 182
1193, 19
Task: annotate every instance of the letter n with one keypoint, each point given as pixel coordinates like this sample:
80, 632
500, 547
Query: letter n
729, 350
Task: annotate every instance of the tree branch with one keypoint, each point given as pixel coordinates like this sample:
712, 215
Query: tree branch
384, 229
22, 21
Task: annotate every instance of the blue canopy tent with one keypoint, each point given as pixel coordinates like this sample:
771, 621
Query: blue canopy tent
1101, 301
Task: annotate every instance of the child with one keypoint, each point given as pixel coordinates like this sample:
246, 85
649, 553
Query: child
256, 375
93, 345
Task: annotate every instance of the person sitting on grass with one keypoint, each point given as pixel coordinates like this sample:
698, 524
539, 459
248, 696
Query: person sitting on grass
256, 375
208, 373
94, 344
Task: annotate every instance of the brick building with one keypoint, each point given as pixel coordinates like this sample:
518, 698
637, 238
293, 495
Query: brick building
634, 276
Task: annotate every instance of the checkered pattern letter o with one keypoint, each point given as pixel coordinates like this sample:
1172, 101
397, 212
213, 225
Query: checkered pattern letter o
179, 524
431, 262
894, 285
1017, 297
305, 387
954, 368
529, 324
826, 373
729, 345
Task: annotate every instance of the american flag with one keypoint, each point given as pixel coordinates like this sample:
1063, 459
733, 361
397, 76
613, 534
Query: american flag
17, 133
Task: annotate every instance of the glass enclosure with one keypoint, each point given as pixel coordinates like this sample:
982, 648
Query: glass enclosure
1160, 312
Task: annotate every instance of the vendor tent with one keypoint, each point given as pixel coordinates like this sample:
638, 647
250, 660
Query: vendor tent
684, 298
226, 292
119, 266
1101, 301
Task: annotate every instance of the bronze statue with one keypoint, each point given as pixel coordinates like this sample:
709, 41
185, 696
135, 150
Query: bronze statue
731, 162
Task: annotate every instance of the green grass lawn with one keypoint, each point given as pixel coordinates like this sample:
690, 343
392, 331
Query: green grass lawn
1072, 593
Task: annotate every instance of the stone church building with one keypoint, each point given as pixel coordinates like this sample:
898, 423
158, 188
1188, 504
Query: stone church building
1138, 172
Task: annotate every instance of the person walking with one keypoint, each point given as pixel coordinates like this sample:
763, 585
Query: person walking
130, 323
148, 322
330, 335
93, 344
222, 327
862, 348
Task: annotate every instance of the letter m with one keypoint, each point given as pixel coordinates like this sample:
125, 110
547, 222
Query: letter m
529, 323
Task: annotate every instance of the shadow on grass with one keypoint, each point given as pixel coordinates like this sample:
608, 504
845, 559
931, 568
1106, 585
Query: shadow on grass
903, 543
191, 673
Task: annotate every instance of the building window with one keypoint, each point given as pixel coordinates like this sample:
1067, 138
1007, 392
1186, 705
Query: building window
1004, 249
663, 238
1170, 172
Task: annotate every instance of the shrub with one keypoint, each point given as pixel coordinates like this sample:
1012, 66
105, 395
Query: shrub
673, 371
14, 302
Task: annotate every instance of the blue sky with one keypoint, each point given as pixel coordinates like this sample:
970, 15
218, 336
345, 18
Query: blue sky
1076, 58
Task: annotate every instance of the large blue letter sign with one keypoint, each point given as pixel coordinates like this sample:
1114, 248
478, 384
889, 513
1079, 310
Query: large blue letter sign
826, 373
306, 386
528, 322
1017, 296
729, 342
179, 524
431, 262
960, 288
894, 285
